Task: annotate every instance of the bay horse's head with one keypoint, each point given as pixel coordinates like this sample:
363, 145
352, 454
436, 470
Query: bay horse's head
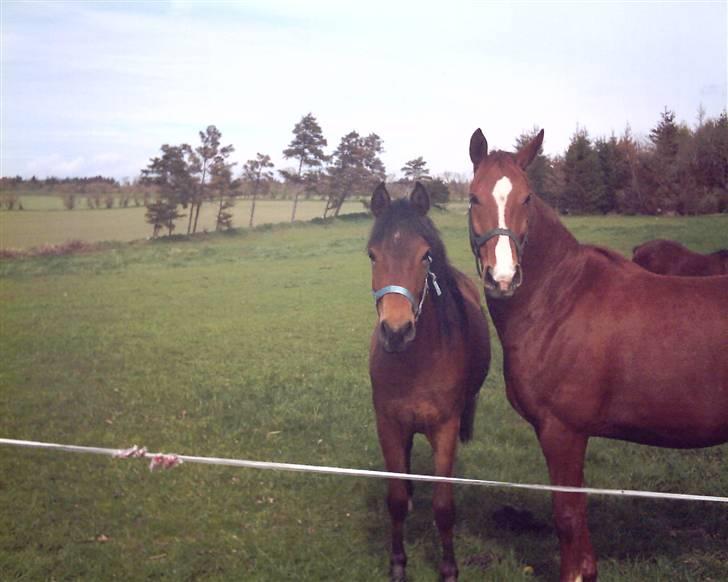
401, 248
498, 215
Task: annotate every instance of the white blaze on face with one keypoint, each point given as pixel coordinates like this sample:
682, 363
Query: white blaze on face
504, 269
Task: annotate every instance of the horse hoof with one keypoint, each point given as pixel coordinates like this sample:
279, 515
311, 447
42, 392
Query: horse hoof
397, 573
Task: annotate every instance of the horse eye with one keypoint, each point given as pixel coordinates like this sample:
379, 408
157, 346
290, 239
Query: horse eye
473, 200
371, 256
528, 199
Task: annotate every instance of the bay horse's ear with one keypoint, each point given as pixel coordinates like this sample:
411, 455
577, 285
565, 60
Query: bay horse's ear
478, 148
420, 199
525, 155
380, 200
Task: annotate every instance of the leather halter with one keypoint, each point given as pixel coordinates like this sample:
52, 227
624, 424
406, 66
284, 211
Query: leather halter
477, 241
430, 279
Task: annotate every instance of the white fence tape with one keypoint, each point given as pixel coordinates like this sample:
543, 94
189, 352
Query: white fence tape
294, 467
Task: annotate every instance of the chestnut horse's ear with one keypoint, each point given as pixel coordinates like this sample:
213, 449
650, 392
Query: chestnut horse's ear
380, 200
525, 155
478, 148
420, 199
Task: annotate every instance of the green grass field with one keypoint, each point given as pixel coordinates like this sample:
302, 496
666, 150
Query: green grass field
45, 221
254, 345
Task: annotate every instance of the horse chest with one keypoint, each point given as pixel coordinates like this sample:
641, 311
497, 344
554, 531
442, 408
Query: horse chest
418, 400
420, 415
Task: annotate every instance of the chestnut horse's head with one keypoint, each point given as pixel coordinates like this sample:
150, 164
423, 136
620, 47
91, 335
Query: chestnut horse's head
401, 251
498, 215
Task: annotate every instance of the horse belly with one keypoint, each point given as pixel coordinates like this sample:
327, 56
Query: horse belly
667, 396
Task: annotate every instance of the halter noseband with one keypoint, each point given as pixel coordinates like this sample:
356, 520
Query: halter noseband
477, 241
430, 279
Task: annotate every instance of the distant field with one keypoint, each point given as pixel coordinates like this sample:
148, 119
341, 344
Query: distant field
254, 344
46, 202
45, 221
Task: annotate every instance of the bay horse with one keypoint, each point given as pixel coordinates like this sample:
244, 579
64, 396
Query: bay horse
593, 345
668, 257
428, 357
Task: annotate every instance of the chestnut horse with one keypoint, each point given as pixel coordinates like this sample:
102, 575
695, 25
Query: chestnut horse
429, 355
667, 257
593, 345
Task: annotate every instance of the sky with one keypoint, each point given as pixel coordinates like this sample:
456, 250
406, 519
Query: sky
93, 88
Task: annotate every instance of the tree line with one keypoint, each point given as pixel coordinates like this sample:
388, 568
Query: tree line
97, 191
677, 169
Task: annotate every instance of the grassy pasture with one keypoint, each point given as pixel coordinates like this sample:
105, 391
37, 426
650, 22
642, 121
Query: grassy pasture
254, 345
45, 221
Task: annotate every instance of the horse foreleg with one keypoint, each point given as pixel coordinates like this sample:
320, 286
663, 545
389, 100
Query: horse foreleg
396, 448
444, 445
564, 450
408, 457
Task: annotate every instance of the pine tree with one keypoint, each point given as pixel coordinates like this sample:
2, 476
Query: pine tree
615, 172
171, 176
415, 169
355, 168
162, 214
664, 136
200, 162
306, 147
705, 156
538, 170
181, 174
223, 187
583, 186
665, 174
631, 199
256, 173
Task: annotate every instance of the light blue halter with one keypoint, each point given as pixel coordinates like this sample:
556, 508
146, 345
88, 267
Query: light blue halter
430, 279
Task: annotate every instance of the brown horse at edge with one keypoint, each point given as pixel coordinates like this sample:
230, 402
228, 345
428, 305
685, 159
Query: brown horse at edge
593, 345
429, 356
668, 257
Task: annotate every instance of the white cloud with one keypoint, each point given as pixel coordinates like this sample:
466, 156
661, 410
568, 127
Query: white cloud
83, 78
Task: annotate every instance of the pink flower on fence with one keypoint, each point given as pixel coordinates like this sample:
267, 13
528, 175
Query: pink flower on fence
158, 461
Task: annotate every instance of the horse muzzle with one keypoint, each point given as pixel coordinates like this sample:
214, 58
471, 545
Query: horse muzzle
501, 289
395, 340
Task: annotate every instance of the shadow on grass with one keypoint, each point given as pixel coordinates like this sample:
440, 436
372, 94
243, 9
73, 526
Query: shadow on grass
519, 524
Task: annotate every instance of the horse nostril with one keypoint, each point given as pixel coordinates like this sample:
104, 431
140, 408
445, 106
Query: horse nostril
518, 277
396, 339
406, 330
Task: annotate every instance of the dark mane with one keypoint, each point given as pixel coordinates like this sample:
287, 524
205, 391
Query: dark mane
722, 253
402, 215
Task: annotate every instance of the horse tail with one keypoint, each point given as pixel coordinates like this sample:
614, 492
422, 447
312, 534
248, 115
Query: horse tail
467, 419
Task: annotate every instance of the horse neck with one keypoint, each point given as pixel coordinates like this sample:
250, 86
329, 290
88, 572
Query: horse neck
551, 262
549, 241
